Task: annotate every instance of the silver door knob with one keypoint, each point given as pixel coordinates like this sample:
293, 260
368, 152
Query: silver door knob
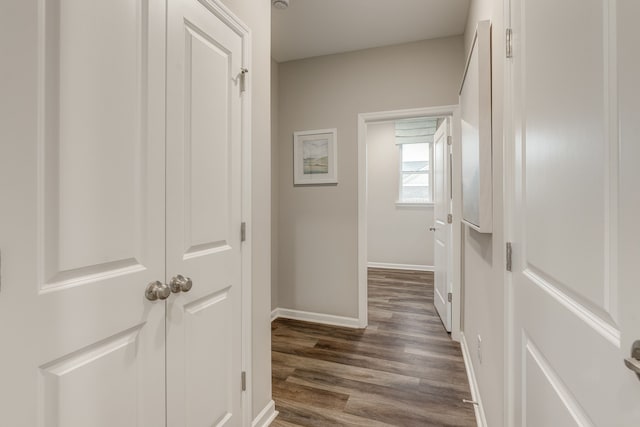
633, 362
180, 284
157, 291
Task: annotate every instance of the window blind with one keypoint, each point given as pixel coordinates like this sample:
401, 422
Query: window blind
415, 130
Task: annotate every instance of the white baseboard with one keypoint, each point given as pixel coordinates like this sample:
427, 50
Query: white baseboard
390, 266
266, 416
327, 319
481, 419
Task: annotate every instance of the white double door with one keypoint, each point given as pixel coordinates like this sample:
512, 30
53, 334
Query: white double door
442, 229
120, 166
575, 204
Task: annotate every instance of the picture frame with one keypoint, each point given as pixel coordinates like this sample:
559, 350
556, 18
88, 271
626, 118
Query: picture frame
476, 144
315, 157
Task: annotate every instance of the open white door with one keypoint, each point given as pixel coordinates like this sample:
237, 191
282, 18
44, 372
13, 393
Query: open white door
204, 183
82, 223
576, 208
442, 227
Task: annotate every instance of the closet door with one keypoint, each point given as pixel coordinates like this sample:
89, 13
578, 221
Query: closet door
82, 223
203, 216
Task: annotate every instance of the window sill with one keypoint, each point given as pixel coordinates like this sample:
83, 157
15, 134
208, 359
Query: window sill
414, 205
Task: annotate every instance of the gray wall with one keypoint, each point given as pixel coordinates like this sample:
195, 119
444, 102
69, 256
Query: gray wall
396, 234
257, 15
317, 226
484, 253
274, 188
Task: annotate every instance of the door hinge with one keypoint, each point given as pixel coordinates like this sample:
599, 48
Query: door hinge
449, 140
243, 73
449, 297
509, 43
509, 255
449, 219
243, 379
243, 231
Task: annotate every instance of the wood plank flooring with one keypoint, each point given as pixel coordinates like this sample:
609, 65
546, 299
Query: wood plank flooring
402, 370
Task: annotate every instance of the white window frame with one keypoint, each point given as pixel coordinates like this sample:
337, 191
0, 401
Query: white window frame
399, 201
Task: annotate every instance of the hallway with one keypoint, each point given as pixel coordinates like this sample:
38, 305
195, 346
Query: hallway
403, 369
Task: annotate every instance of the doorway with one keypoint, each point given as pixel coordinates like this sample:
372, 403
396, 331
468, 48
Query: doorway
366, 122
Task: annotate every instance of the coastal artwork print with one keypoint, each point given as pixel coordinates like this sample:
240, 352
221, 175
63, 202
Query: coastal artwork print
315, 157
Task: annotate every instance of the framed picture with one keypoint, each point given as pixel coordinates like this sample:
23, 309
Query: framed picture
315, 157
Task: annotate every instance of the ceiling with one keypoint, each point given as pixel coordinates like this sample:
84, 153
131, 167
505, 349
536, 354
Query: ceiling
321, 27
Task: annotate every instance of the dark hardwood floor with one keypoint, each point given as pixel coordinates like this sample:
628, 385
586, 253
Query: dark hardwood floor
402, 370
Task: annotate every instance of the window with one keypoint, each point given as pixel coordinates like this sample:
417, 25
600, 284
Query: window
414, 173
414, 138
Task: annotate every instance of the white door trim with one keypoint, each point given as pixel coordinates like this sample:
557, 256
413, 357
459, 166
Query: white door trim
363, 120
247, 268
226, 15
266, 416
508, 190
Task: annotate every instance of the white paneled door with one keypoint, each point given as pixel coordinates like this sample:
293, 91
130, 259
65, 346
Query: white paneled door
204, 174
116, 174
442, 228
83, 171
575, 214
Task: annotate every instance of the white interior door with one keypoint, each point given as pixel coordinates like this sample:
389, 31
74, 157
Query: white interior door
574, 283
82, 223
442, 228
204, 174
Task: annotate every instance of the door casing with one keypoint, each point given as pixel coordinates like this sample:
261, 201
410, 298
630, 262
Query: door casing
363, 120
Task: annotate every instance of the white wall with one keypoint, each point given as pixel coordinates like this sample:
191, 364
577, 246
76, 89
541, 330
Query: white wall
396, 234
257, 15
317, 267
484, 265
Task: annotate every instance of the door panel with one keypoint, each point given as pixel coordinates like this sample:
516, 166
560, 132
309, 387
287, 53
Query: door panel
203, 217
567, 294
93, 216
86, 231
551, 404
566, 143
209, 371
113, 365
206, 119
442, 233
